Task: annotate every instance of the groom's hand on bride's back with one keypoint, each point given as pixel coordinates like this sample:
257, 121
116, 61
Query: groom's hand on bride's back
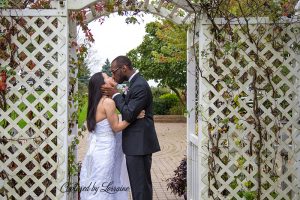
108, 90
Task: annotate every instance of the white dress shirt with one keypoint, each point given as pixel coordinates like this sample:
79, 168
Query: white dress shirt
130, 78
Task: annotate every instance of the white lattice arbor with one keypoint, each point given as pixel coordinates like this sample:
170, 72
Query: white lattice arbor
34, 128
37, 126
39, 111
180, 13
233, 170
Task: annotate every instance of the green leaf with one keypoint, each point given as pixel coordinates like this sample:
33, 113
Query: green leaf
236, 100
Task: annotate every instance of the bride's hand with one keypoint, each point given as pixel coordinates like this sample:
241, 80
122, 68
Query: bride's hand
141, 115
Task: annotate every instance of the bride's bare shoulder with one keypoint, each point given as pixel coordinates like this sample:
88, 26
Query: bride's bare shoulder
108, 102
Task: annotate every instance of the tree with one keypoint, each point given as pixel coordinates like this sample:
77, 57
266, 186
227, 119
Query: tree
106, 67
84, 74
162, 55
87, 61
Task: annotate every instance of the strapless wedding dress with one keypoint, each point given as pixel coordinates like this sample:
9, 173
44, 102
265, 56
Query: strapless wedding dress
103, 173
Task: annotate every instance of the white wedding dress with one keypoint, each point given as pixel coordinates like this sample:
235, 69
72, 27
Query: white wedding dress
104, 166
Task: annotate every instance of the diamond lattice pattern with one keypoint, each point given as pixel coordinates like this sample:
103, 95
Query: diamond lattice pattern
34, 127
227, 104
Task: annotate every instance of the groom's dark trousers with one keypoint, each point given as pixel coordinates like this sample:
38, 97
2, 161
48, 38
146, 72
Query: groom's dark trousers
139, 139
139, 168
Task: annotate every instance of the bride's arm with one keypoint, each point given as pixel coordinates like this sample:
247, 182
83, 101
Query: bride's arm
112, 117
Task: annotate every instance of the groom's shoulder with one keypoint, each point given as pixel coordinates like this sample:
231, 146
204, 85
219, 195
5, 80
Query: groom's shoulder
142, 80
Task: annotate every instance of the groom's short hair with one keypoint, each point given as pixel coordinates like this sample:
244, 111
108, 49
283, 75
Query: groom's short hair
123, 60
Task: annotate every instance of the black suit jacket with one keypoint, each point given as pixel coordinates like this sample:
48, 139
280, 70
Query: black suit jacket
139, 138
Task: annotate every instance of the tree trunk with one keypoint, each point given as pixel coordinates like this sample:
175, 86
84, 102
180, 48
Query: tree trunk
178, 95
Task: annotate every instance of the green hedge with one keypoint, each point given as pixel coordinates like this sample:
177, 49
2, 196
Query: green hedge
159, 91
167, 104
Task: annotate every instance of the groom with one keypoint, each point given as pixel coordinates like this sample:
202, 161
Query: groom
139, 138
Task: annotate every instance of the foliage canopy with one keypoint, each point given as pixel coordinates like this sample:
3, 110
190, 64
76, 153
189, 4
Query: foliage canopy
162, 54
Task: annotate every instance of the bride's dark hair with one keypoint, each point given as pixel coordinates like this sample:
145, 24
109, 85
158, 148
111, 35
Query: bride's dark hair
95, 94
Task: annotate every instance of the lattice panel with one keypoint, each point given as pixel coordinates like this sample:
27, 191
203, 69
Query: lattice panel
34, 127
179, 12
3, 3
228, 122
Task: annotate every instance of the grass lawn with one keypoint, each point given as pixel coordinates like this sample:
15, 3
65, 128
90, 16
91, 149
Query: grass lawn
82, 115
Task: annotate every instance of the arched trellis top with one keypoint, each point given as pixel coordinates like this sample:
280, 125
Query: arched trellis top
179, 11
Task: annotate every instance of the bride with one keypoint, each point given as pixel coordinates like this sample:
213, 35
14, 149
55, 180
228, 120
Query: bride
103, 173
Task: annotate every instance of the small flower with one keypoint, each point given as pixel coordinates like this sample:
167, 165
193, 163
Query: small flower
125, 89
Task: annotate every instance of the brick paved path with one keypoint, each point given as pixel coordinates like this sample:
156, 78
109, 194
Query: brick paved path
172, 139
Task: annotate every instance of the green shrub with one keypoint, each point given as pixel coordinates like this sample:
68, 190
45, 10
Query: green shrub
178, 109
170, 99
163, 104
159, 107
158, 91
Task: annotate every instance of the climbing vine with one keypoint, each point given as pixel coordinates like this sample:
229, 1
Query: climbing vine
228, 50
225, 48
8, 49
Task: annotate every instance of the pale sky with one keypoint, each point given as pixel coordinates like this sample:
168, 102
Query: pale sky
114, 37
